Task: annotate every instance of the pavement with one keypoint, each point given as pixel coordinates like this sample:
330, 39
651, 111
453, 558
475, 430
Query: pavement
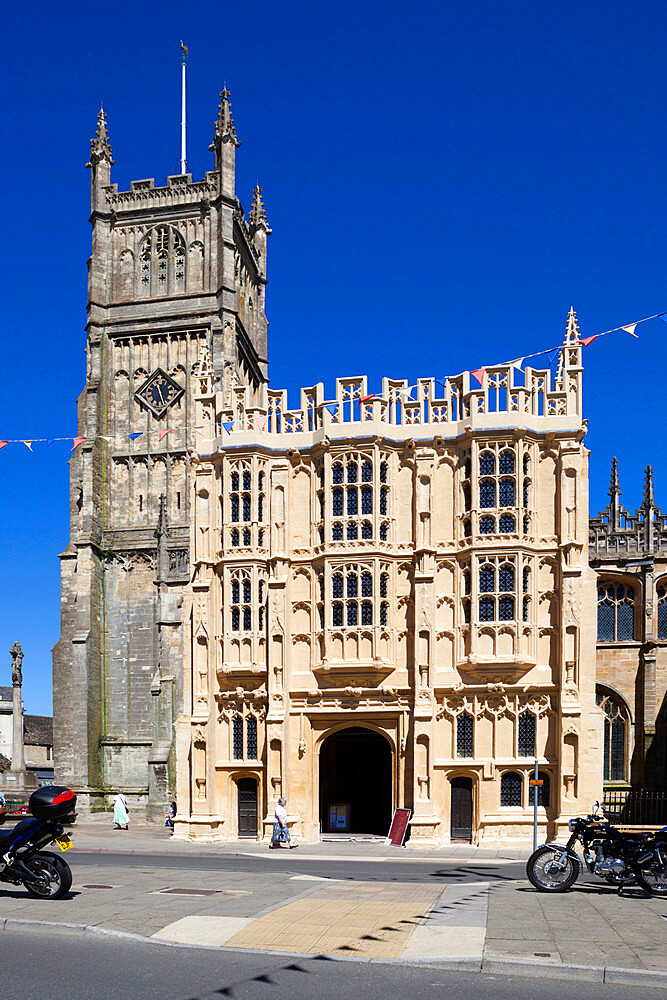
465, 907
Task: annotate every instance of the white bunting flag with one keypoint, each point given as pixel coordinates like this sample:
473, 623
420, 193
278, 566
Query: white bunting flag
630, 328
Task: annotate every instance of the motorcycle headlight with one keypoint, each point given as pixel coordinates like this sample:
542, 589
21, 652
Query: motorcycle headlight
572, 825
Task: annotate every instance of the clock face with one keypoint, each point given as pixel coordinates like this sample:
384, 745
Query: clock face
159, 392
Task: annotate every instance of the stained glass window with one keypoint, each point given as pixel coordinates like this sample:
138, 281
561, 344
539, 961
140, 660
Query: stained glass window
526, 609
352, 585
487, 579
246, 480
234, 506
235, 481
487, 463
366, 613
236, 592
337, 504
383, 472
366, 500
246, 620
337, 585
235, 538
506, 493
506, 609
351, 612
487, 608
246, 591
352, 501
367, 530
366, 585
337, 613
384, 493
246, 536
506, 577
384, 584
506, 463
352, 472
506, 523
367, 472
236, 620
486, 525
246, 507
510, 789
337, 531
352, 532
487, 493
337, 473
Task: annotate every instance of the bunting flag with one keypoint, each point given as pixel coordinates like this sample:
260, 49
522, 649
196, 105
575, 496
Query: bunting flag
517, 364
28, 445
133, 437
260, 424
332, 408
77, 442
2, 444
49, 442
228, 424
407, 391
630, 328
163, 434
479, 374
585, 341
364, 399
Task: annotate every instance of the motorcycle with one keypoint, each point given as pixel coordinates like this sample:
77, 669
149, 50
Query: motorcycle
22, 858
619, 857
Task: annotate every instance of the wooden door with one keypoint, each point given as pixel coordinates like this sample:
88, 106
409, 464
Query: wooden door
247, 797
461, 821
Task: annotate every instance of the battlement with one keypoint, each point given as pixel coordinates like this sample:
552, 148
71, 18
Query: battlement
507, 397
180, 189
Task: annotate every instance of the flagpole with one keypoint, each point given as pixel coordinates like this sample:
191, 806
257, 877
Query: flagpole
183, 61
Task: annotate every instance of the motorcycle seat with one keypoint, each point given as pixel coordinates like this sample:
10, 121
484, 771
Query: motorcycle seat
7, 837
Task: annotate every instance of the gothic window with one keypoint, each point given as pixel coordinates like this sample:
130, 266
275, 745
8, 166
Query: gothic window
260, 538
526, 525
466, 611
384, 584
352, 591
367, 530
246, 536
237, 737
383, 531
337, 531
260, 507
384, 613
337, 618
615, 736
241, 601
246, 480
525, 608
506, 463
526, 741
235, 538
162, 262
466, 496
543, 790
498, 588
234, 506
464, 735
337, 585
367, 585
384, 494
352, 472
383, 472
337, 473
506, 493
506, 523
337, 505
367, 472
246, 506
366, 613
351, 613
526, 465
487, 463
510, 789
486, 525
352, 501
251, 737
526, 493
366, 500
352, 495
487, 493
352, 531
662, 613
616, 612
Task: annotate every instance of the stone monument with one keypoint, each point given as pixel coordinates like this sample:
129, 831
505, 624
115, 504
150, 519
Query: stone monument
17, 778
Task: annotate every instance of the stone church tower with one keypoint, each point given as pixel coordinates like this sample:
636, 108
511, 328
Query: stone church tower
175, 313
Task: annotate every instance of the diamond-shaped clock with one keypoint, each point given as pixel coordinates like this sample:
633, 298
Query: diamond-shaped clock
159, 392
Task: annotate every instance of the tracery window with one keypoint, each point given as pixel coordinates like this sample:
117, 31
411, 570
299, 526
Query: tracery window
353, 591
497, 481
615, 736
497, 585
616, 612
527, 730
662, 613
162, 262
511, 789
356, 494
244, 750
240, 603
246, 495
464, 735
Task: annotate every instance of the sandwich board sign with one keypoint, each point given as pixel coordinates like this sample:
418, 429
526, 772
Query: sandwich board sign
399, 825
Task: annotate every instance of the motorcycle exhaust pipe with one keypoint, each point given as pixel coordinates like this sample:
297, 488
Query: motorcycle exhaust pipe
22, 870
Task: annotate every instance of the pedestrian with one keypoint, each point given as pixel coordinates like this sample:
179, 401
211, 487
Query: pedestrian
169, 818
280, 833
3, 808
120, 812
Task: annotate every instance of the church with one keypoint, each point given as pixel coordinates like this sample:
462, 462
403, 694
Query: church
371, 600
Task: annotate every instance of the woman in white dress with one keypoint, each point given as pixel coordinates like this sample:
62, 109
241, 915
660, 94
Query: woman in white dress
120, 816
280, 833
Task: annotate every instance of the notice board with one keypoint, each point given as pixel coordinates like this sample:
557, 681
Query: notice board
399, 825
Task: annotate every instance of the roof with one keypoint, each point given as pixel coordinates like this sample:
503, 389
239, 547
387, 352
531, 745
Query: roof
6, 694
38, 730
4, 763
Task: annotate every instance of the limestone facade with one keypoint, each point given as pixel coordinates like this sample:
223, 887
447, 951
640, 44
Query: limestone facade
629, 554
391, 604
176, 284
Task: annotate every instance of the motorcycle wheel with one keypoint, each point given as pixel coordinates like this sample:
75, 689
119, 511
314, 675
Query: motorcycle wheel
546, 876
654, 880
54, 870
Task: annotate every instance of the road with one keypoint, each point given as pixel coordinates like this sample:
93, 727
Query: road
39, 966
366, 869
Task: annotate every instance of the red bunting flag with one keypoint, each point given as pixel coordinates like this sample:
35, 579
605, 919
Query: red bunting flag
3, 443
163, 434
364, 399
260, 424
77, 442
479, 374
585, 341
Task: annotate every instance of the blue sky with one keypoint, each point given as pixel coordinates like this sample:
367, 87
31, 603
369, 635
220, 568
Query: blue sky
443, 182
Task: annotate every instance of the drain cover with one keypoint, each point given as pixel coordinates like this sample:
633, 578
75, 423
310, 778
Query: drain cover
93, 885
191, 892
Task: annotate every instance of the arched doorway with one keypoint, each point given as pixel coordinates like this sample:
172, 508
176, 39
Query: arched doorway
355, 772
247, 806
460, 827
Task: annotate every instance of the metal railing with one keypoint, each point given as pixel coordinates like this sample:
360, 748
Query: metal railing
636, 806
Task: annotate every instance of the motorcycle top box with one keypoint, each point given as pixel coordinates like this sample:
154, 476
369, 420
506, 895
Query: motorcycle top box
52, 802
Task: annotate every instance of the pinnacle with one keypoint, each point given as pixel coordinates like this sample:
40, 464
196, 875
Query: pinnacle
649, 498
224, 125
257, 215
100, 148
614, 487
572, 329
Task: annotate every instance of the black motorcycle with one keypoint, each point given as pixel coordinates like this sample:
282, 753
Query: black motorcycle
22, 858
618, 857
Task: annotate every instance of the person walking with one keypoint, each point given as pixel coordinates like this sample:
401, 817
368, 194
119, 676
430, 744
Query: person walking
280, 833
169, 818
120, 815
